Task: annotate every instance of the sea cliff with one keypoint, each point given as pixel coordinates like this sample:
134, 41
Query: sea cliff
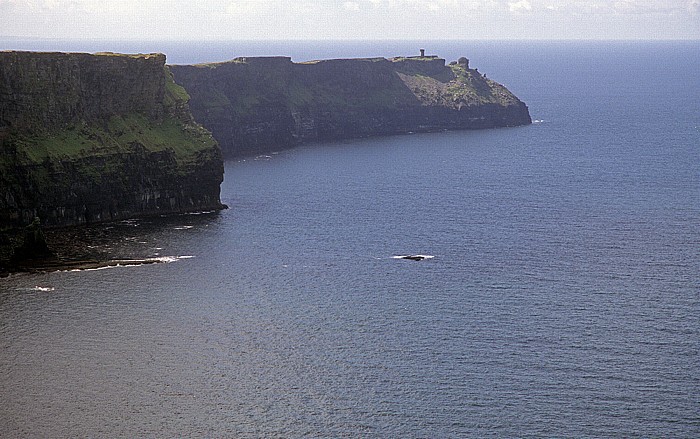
90, 138
87, 138
255, 105
93, 138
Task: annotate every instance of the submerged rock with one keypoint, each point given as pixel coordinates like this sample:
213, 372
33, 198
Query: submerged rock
414, 257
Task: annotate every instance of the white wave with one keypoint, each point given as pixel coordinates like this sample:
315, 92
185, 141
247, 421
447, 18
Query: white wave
38, 288
183, 227
538, 121
93, 269
201, 212
167, 259
124, 263
164, 259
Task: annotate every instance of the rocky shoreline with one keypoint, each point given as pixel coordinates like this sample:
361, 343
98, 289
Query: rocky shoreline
136, 241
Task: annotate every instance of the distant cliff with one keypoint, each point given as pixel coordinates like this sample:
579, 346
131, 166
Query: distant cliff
254, 105
90, 138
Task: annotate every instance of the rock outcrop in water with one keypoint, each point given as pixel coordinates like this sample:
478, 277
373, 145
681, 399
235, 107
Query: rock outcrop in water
90, 138
255, 105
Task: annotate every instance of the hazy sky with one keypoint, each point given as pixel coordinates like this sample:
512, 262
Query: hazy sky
351, 19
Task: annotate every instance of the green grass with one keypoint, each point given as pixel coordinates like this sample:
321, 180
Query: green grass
168, 134
99, 152
72, 142
118, 136
128, 55
173, 90
471, 86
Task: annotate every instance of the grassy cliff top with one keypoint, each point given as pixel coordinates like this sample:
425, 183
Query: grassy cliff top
320, 61
62, 109
272, 60
269, 60
133, 55
244, 84
427, 58
82, 54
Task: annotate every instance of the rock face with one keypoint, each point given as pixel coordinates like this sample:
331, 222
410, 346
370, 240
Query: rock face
254, 105
89, 138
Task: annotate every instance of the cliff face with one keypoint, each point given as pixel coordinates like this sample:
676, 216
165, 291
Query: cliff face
88, 138
254, 105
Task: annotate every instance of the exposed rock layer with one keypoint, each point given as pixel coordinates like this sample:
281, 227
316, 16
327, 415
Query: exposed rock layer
89, 138
253, 105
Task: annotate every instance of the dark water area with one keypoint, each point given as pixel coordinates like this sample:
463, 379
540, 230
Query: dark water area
562, 299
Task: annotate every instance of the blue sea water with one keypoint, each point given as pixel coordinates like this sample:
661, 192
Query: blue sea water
562, 299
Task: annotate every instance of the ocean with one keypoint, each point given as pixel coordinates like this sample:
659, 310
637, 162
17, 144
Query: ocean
560, 299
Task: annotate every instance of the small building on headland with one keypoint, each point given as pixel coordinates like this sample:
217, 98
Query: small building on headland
422, 55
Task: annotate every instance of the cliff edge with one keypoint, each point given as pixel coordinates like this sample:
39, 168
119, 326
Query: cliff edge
254, 105
87, 138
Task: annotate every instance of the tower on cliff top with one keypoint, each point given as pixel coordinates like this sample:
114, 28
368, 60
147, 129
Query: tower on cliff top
422, 53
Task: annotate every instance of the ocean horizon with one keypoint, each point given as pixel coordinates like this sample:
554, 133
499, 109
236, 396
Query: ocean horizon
557, 295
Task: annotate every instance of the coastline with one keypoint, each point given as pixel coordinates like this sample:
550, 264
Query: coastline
95, 246
138, 150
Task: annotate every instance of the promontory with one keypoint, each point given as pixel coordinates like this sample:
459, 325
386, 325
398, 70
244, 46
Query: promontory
255, 105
